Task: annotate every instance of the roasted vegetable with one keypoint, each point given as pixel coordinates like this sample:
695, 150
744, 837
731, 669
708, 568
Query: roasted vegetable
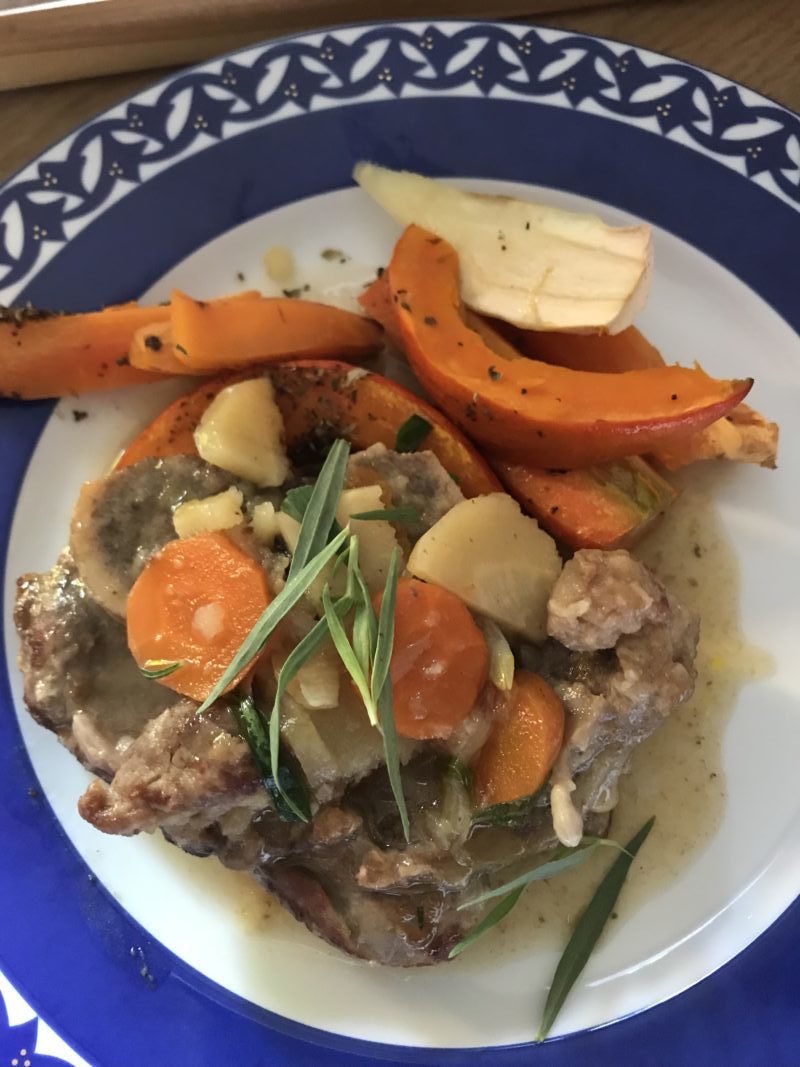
526, 738
439, 663
543, 415
214, 335
608, 506
531, 264
320, 401
193, 605
44, 355
495, 559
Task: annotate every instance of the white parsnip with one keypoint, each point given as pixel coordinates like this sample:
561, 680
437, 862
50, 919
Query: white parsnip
536, 266
495, 558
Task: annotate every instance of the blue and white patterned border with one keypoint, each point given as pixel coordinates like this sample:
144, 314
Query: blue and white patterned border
52, 199
25, 1040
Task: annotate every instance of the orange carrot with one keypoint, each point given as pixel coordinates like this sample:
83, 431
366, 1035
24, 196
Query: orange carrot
60, 355
216, 335
194, 603
524, 743
440, 661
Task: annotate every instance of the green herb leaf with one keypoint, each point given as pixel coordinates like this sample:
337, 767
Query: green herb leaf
384, 641
410, 515
321, 507
288, 792
460, 772
296, 501
563, 859
160, 668
588, 930
412, 433
365, 625
382, 688
277, 610
300, 654
514, 814
348, 656
496, 915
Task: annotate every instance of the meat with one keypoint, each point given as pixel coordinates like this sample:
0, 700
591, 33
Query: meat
121, 520
80, 680
182, 765
619, 654
600, 596
414, 479
614, 699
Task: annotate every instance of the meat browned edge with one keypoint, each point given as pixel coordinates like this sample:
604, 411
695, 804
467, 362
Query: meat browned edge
620, 655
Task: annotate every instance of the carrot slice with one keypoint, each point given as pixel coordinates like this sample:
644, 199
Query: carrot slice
214, 335
45, 355
194, 603
440, 661
524, 743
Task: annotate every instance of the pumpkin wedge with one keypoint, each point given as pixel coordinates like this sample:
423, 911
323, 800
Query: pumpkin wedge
742, 436
544, 415
606, 506
320, 401
216, 335
48, 355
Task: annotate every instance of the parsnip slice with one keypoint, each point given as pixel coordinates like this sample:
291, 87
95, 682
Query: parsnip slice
536, 266
495, 558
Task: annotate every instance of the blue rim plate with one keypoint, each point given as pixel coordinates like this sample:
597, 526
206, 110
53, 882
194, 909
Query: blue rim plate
102, 215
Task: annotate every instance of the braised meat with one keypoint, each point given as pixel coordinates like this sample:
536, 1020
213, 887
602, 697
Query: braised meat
619, 655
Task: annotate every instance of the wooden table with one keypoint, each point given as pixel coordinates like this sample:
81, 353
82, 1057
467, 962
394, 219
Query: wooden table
754, 41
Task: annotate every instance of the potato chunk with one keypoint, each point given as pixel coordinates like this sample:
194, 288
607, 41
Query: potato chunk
219, 512
496, 559
241, 431
376, 538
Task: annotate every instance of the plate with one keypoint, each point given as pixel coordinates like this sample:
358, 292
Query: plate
137, 954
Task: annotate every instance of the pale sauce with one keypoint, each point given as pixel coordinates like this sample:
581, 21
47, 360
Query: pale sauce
677, 774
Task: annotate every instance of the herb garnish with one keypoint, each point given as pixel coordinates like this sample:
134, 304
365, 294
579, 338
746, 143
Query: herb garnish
564, 859
320, 510
513, 814
410, 515
160, 668
382, 688
588, 930
459, 772
412, 433
286, 783
496, 915
278, 609
368, 657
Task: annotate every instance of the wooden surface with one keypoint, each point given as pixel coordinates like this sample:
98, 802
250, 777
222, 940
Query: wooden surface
85, 39
754, 41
